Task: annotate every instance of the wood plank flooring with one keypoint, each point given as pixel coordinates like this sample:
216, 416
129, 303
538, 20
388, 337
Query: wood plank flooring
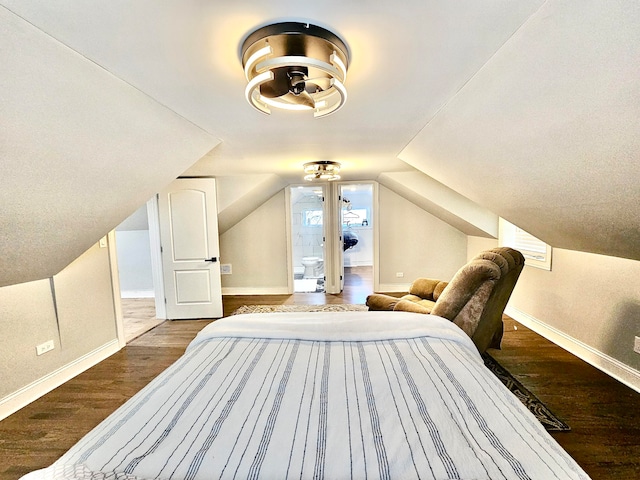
604, 415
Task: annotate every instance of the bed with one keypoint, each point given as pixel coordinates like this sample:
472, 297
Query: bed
322, 395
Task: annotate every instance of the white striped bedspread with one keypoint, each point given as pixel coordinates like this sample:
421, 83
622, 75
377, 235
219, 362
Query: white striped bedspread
348, 395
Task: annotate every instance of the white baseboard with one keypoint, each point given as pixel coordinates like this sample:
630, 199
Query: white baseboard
393, 287
27, 394
137, 294
609, 365
255, 291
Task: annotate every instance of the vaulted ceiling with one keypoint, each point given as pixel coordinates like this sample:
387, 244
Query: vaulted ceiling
528, 109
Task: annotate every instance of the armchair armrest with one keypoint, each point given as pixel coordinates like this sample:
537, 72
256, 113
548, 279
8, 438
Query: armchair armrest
427, 288
410, 306
380, 301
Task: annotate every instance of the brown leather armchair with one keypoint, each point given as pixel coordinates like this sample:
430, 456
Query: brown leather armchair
474, 299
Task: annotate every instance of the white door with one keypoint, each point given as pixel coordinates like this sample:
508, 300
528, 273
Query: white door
190, 250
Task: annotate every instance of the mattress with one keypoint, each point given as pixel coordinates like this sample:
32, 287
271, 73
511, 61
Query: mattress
359, 395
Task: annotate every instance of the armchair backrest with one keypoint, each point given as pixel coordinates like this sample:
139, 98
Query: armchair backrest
477, 295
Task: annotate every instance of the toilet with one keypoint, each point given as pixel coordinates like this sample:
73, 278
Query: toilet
311, 266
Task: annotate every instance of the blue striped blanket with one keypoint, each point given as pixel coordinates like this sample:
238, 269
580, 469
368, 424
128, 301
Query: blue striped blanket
350, 395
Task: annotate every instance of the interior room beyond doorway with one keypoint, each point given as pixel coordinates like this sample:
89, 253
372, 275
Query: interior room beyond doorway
135, 275
357, 232
346, 227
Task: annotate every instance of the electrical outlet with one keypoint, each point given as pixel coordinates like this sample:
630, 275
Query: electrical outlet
44, 347
225, 269
399, 274
636, 345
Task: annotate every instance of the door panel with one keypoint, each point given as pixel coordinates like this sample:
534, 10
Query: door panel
190, 249
192, 286
188, 225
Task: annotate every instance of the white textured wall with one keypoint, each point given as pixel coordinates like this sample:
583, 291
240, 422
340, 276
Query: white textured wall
27, 319
415, 243
81, 150
257, 249
86, 320
475, 245
592, 298
134, 262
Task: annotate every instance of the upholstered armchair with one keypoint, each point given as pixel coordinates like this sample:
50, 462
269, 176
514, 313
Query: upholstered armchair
474, 299
422, 296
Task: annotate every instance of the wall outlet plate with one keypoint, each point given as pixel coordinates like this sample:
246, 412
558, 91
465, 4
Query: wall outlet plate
399, 274
636, 345
44, 347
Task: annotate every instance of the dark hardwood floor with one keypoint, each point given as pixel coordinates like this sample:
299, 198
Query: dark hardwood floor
604, 415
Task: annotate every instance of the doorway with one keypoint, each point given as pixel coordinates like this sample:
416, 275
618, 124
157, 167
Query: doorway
331, 230
307, 209
135, 275
357, 218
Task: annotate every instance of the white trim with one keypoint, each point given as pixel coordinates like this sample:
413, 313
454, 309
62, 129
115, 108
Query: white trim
360, 263
29, 393
115, 288
333, 244
393, 287
376, 238
609, 365
137, 294
289, 253
255, 291
156, 256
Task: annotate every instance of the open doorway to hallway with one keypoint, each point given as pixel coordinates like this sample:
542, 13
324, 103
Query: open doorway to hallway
135, 275
139, 316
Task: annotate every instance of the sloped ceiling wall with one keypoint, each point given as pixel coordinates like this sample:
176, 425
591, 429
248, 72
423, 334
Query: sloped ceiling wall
546, 133
442, 202
240, 195
528, 108
81, 150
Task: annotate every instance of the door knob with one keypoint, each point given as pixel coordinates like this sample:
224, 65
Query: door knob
212, 259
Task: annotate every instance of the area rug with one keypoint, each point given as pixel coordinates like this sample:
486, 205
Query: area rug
338, 307
550, 421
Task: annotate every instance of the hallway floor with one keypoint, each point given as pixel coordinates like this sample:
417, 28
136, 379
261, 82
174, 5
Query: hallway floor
139, 316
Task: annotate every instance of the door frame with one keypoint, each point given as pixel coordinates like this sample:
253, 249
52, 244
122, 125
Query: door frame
333, 259
115, 288
156, 270
153, 215
326, 192
338, 261
155, 251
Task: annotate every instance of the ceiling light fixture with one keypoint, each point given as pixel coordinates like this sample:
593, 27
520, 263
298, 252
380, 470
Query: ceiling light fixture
322, 170
295, 66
